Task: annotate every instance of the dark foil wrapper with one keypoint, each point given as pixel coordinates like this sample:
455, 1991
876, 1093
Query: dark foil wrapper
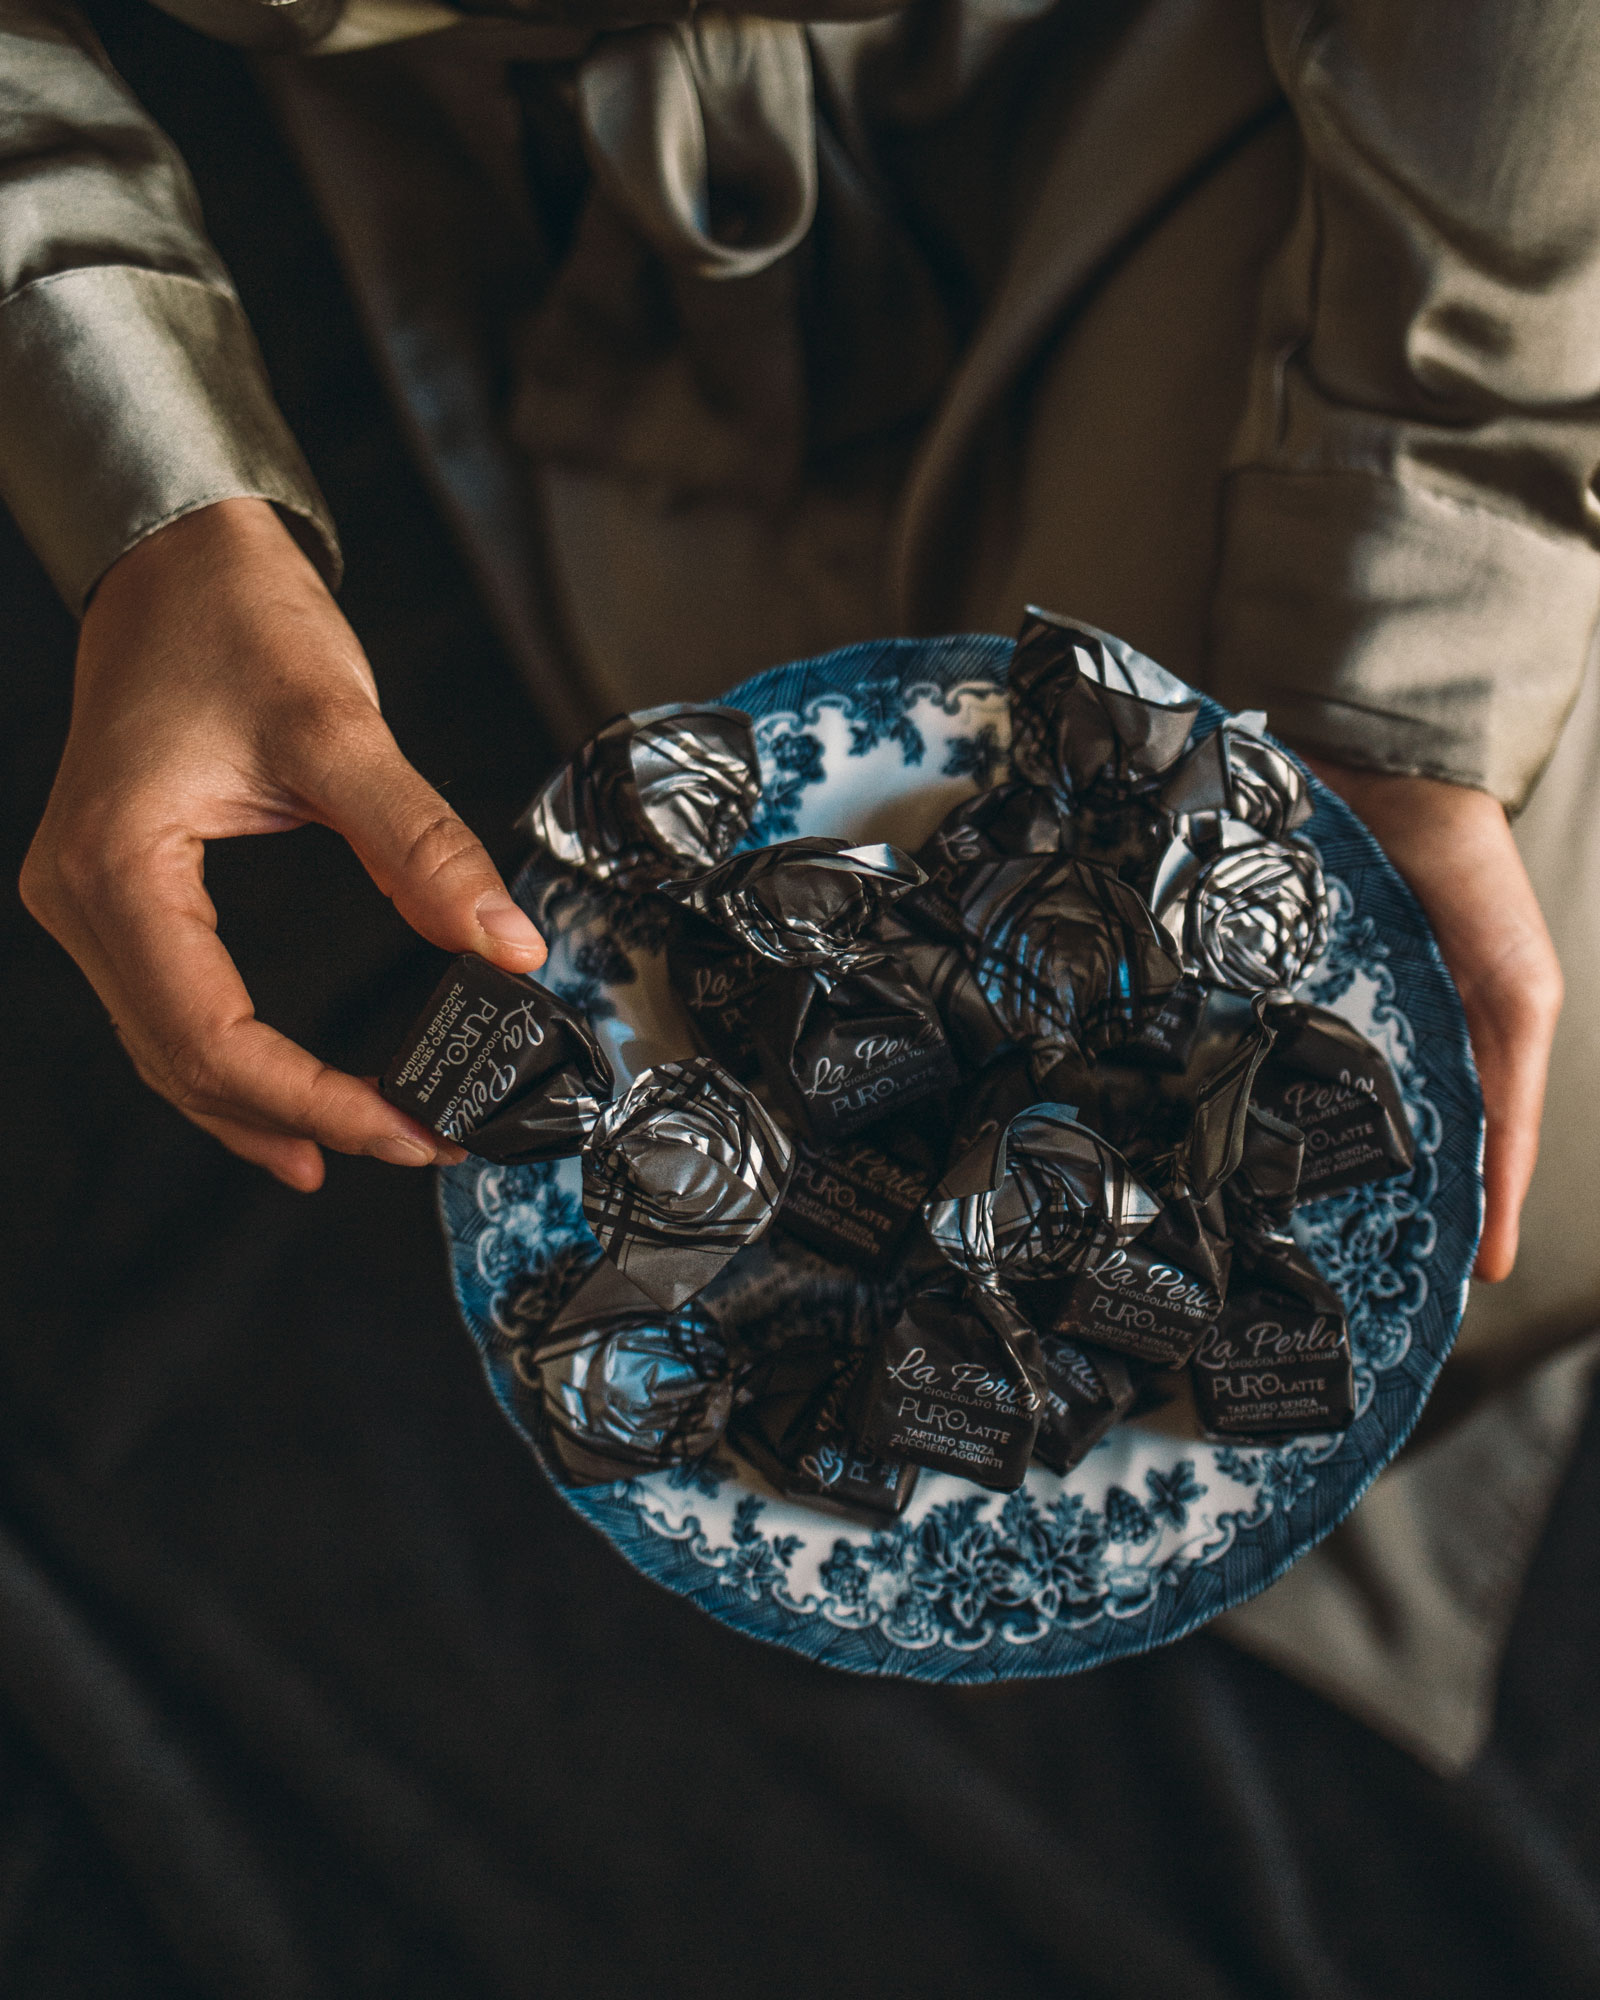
791, 1427
1086, 1391
1064, 951
1253, 916
1166, 1036
956, 1385
1277, 1364
663, 792
1033, 1196
720, 984
802, 903
680, 1173
1154, 1298
856, 1203
1088, 711
841, 1052
973, 1029
1184, 1130
1235, 773
1262, 1194
625, 1387
1326, 1078
1005, 823
501, 1066
1214, 1144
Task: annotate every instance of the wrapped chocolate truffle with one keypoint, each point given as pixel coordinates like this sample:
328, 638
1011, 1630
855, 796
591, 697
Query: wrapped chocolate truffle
1252, 916
665, 792
857, 1202
958, 1382
1064, 951
1032, 1198
844, 1033
1277, 1363
1154, 1297
973, 1029
1086, 1391
803, 903
1236, 773
1005, 823
680, 1173
499, 1065
790, 1425
1326, 1078
1089, 712
839, 1053
626, 1387
720, 983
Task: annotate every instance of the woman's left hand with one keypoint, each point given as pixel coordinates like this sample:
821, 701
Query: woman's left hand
1454, 847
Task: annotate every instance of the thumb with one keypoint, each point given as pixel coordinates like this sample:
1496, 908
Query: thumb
423, 856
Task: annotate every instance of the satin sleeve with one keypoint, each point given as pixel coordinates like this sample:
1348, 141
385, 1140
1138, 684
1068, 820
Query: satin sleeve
1410, 562
131, 387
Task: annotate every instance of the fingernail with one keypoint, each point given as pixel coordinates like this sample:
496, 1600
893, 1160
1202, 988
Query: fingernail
451, 1156
403, 1152
499, 918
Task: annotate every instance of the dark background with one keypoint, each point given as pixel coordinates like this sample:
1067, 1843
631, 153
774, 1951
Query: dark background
309, 1687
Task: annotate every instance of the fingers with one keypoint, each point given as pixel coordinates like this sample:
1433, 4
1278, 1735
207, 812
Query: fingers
220, 692
144, 931
1455, 848
1510, 985
425, 858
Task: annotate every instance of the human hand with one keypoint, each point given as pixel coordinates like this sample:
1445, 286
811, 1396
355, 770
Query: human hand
219, 691
1454, 847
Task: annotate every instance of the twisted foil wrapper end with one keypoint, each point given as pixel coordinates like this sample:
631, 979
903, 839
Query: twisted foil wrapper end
1028, 1199
1253, 916
663, 792
626, 1387
1215, 1142
1235, 772
1064, 950
803, 903
680, 1173
1261, 1194
1088, 709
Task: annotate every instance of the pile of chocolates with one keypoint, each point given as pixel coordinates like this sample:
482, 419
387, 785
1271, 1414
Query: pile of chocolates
995, 1134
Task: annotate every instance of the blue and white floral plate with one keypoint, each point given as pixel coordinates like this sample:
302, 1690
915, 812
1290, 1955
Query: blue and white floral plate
1157, 1531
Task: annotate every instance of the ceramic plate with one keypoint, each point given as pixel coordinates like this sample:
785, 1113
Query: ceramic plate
1157, 1531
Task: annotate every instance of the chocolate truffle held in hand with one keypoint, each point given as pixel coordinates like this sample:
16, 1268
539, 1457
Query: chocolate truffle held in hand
501, 1066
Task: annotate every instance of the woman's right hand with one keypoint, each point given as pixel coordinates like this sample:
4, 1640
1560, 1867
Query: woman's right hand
219, 691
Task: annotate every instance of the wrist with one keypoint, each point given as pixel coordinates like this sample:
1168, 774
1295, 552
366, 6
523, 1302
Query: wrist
241, 537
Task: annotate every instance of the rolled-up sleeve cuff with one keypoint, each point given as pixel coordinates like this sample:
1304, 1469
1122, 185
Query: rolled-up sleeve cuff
127, 398
1395, 628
